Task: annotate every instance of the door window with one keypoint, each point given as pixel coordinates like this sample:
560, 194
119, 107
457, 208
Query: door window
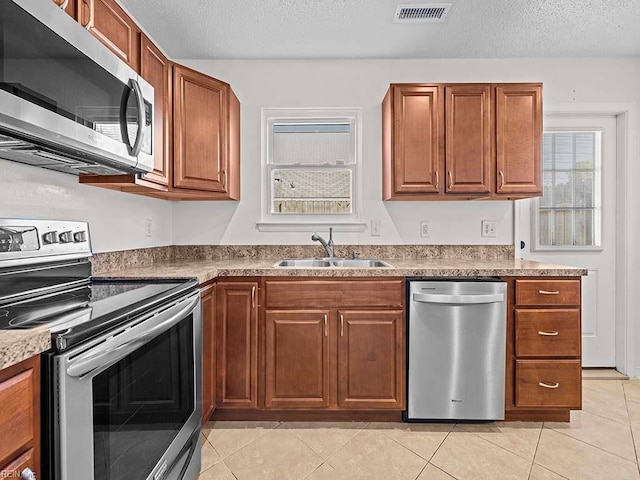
568, 215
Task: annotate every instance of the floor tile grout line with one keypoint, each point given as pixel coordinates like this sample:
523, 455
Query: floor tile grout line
499, 446
594, 446
552, 471
607, 418
342, 446
535, 452
245, 445
440, 446
446, 473
422, 470
633, 437
404, 446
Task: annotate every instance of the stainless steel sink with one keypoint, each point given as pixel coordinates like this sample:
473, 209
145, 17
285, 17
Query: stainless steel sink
328, 263
302, 262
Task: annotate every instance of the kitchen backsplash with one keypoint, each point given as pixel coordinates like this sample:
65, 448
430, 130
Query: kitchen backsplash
110, 261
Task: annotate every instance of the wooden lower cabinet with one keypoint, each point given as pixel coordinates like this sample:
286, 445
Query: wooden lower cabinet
544, 374
325, 348
296, 358
371, 359
20, 418
208, 297
236, 344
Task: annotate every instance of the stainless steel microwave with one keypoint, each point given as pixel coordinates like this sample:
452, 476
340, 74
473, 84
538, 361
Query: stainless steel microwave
67, 103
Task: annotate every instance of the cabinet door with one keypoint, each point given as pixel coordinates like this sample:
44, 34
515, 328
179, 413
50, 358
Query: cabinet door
155, 68
370, 359
208, 296
20, 417
297, 358
109, 23
518, 139
417, 139
69, 6
468, 138
236, 344
200, 131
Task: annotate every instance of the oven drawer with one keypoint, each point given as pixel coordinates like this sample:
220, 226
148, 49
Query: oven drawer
548, 333
552, 384
548, 292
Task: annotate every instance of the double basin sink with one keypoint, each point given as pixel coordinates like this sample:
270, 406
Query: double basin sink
331, 262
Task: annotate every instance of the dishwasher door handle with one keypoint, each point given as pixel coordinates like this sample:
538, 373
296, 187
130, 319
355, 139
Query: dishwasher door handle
458, 299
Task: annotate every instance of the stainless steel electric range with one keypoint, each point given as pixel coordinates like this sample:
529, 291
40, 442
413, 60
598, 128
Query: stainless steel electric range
122, 383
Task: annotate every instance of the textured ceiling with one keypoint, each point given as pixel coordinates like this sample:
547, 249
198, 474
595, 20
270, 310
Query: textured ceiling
364, 29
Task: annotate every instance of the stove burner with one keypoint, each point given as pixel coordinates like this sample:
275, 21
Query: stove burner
4, 313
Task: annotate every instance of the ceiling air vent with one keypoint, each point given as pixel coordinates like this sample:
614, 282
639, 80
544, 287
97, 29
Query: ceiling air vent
421, 12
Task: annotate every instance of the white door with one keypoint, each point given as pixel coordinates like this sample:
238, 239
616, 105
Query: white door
574, 223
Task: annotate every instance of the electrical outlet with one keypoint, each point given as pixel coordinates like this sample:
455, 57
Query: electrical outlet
425, 229
489, 228
375, 228
148, 227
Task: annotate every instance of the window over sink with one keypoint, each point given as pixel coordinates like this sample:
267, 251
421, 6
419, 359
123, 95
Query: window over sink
311, 174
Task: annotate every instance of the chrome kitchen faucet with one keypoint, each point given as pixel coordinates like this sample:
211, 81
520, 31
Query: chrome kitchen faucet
328, 246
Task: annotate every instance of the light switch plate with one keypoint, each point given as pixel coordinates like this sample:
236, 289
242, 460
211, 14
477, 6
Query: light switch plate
375, 228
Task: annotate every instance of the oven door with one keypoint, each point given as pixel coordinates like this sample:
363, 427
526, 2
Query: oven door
129, 404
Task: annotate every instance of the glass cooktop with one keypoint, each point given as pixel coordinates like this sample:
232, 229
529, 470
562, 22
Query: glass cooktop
82, 312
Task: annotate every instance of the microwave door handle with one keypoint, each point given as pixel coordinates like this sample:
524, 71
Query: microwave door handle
457, 299
116, 348
134, 149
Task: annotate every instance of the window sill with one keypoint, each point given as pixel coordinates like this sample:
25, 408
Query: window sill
266, 226
567, 248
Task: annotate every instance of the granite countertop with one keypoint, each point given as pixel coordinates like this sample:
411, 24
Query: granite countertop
205, 270
18, 345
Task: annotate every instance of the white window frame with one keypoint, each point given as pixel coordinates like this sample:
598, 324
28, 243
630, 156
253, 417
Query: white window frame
535, 205
309, 222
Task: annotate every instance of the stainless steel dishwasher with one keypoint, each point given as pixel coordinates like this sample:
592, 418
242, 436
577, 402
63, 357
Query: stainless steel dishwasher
456, 349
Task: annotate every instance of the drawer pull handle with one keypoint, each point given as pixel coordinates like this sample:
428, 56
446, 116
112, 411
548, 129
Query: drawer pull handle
341, 325
326, 331
549, 292
548, 334
548, 385
437, 180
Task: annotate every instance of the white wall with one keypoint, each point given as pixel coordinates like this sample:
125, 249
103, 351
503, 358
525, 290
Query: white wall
117, 219
363, 83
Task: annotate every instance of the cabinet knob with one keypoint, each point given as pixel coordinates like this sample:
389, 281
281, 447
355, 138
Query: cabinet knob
27, 474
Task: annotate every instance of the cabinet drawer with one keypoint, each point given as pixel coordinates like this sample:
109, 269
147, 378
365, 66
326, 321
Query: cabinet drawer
548, 292
548, 333
17, 415
553, 384
332, 293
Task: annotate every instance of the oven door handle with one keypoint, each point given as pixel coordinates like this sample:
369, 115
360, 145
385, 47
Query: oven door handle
118, 347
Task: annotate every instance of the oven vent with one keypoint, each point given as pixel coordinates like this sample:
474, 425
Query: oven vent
422, 12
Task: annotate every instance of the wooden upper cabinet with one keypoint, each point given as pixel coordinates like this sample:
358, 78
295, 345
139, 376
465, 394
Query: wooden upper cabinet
370, 359
297, 358
461, 141
412, 140
208, 297
236, 344
155, 68
70, 6
204, 138
468, 138
109, 23
518, 139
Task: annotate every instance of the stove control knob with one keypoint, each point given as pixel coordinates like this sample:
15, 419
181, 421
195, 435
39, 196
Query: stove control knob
50, 237
80, 237
66, 237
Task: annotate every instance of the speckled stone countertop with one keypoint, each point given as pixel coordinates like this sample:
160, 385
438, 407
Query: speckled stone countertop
18, 345
205, 270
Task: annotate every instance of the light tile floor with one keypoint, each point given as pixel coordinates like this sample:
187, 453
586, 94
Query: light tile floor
601, 442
